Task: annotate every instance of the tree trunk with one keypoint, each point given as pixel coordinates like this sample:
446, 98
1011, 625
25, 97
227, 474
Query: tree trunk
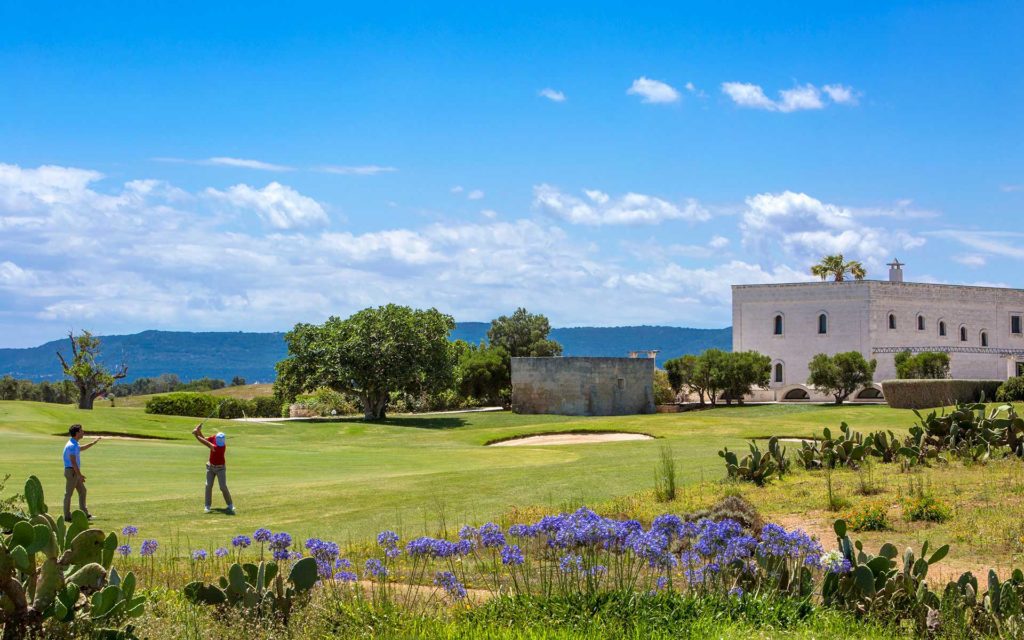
85, 400
839, 399
374, 404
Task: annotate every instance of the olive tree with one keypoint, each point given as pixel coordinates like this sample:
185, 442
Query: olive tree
371, 354
742, 371
841, 374
90, 377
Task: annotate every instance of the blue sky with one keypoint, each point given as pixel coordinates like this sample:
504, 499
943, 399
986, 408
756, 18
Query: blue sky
247, 167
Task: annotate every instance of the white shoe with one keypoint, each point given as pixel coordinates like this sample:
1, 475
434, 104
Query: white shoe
231, 509
206, 509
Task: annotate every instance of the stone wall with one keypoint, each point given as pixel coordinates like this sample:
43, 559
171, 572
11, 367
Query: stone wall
583, 386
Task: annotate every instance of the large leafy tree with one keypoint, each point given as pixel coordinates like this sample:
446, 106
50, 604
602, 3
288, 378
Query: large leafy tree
837, 268
841, 374
90, 377
742, 371
523, 334
369, 355
711, 373
483, 374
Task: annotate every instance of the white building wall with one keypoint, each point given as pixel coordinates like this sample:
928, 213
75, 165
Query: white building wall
858, 320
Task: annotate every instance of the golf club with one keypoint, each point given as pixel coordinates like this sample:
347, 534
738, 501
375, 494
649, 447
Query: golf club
215, 410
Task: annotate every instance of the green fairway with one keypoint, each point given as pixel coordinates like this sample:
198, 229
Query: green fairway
347, 480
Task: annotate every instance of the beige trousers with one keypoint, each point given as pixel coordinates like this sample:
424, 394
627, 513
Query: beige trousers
220, 472
72, 482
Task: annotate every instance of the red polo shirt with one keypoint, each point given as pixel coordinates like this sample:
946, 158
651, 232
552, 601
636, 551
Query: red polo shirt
216, 453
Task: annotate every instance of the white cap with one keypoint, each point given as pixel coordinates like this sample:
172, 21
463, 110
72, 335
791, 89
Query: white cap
220, 439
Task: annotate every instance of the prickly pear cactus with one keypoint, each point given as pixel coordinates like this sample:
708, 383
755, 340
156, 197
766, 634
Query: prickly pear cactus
258, 588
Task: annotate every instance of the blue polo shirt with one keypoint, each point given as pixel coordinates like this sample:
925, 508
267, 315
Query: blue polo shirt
72, 448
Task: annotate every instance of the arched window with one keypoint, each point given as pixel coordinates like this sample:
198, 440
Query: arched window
892, 320
920, 323
963, 334
984, 338
778, 324
778, 372
822, 323
942, 328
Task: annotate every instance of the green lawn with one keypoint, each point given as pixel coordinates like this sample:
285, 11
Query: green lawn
347, 480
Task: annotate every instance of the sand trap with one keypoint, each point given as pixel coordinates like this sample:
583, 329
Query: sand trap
570, 438
795, 440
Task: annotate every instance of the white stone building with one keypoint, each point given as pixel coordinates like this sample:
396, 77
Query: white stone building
981, 328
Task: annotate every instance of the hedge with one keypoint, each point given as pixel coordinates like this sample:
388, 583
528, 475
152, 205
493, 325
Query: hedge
925, 394
201, 405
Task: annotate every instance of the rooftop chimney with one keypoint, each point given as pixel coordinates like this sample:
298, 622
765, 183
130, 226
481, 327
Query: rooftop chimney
895, 271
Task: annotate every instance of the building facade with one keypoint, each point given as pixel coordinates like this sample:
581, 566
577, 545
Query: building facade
981, 328
583, 386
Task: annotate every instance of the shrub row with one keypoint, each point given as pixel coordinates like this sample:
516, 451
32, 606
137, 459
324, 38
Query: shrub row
925, 394
201, 405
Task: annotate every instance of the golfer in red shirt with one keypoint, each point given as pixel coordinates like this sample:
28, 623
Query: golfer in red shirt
215, 467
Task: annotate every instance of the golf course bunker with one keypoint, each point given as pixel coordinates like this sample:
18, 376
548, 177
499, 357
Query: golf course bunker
551, 439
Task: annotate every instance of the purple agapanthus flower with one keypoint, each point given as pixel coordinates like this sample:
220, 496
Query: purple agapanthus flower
512, 555
125, 550
199, 554
148, 548
346, 576
387, 539
375, 568
262, 535
221, 552
130, 530
450, 583
241, 542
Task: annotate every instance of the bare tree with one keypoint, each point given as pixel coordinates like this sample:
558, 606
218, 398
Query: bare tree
90, 377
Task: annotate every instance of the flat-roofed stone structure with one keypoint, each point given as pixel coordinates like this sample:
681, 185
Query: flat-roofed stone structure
583, 386
981, 328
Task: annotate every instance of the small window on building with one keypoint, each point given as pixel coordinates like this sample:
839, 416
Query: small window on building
984, 338
778, 325
920, 323
963, 334
892, 320
942, 328
1015, 325
822, 323
622, 382
778, 372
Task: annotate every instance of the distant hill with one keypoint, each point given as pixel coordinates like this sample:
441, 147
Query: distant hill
253, 355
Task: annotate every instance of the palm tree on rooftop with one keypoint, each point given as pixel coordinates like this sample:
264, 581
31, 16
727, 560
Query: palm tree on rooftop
837, 267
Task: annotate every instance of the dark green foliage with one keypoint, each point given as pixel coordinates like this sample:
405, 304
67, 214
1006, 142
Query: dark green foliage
881, 584
483, 374
523, 335
237, 381
663, 393
757, 467
741, 372
201, 384
63, 392
1011, 391
681, 373
841, 374
260, 589
931, 365
49, 568
371, 354
927, 394
883, 445
197, 405
846, 449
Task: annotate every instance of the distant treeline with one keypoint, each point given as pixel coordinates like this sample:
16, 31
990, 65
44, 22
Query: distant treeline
63, 392
169, 382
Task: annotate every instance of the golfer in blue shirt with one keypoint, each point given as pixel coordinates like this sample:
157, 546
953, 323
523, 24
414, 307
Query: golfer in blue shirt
74, 480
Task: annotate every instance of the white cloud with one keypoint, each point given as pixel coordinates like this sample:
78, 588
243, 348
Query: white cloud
718, 242
457, 189
711, 285
840, 94
279, 205
653, 91
475, 194
552, 95
11, 275
1010, 188
799, 98
601, 209
803, 228
246, 164
970, 260
490, 214
362, 170
986, 243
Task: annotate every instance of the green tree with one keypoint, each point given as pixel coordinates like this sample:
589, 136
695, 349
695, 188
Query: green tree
836, 267
680, 372
238, 381
711, 373
663, 392
8, 388
841, 374
90, 377
483, 374
925, 365
742, 371
369, 355
523, 334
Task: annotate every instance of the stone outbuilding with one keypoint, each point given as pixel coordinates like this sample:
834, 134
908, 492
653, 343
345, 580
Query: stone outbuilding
583, 386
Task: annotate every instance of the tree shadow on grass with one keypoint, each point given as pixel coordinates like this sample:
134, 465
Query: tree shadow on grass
431, 422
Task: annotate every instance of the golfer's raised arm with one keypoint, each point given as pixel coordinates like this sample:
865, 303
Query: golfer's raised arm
197, 432
91, 443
